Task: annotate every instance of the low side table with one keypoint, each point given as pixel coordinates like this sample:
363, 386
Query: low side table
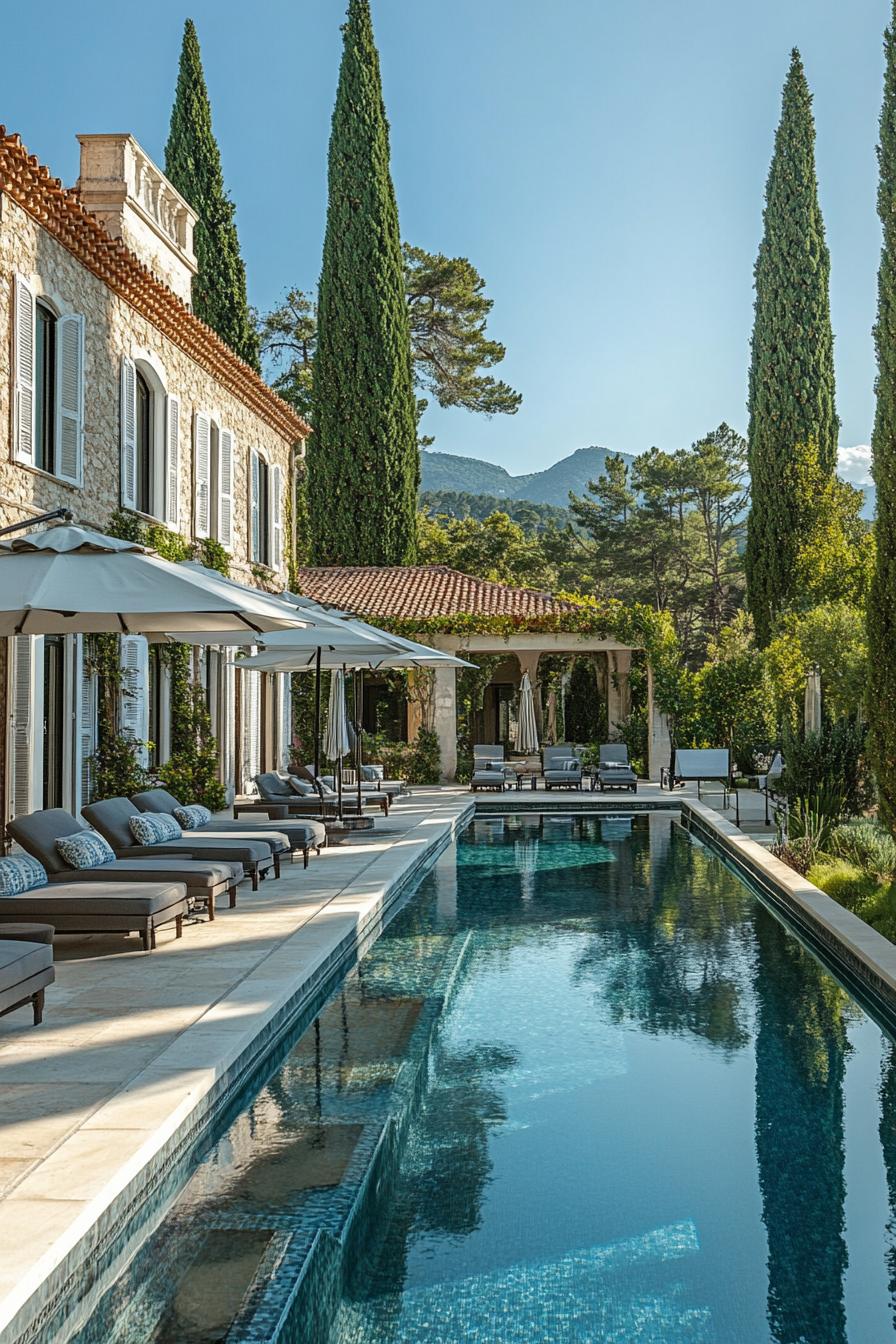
523, 773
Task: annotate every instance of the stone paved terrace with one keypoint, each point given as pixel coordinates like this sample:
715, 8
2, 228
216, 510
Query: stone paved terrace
132, 1042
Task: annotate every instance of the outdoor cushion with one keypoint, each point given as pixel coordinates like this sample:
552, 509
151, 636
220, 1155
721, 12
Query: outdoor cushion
95, 898
38, 832
153, 828
198, 874
25, 969
156, 800
371, 772
21, 873
112, 816
294, 833
270, 785
86, 850
192, 817
567, 765
302, 787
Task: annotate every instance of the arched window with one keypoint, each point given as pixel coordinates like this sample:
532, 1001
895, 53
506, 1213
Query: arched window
150, 443
48, 385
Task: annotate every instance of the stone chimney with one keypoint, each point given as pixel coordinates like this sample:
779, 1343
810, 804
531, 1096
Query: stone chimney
121, 185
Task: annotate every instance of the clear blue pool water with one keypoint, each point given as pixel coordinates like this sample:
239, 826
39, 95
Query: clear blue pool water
626, 1105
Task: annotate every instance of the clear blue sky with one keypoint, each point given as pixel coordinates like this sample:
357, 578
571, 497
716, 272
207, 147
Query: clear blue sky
602, 162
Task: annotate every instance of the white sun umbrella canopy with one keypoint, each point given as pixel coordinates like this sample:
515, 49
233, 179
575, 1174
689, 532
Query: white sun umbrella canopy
526, 730
68, 580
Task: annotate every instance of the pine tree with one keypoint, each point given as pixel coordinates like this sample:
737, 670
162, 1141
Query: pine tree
193, 164
881, 700
362, 461
791, 392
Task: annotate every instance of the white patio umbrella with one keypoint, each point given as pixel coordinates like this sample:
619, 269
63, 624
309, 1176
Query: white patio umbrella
68, 580
526, 729
812, 702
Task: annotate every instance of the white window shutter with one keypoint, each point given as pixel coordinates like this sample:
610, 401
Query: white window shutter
202, 473
285, 747
133, 708
69, 428
225, 728
172, 463
254, 507
276, 556
128, 433
225, 489
23, 373
85, 732
25, 757
251, 697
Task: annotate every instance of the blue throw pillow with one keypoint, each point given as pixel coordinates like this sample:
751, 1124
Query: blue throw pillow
85, 849
371, 772
21, 873
301, 787
192, 817
154, 828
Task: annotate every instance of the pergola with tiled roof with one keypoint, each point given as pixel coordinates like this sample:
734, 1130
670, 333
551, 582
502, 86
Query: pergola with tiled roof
530, 625
58, 210
420, 592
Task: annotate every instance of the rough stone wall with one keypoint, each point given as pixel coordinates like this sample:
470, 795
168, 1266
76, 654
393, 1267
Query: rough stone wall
113, 329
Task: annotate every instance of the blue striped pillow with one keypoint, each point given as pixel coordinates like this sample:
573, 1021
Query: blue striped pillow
85, 849
20, 873
154, 828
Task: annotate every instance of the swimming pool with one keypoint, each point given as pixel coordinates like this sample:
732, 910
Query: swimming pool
585, 1087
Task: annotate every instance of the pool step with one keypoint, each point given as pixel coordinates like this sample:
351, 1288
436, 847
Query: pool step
586, 1294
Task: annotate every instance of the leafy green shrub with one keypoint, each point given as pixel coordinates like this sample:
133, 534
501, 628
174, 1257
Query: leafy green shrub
830, 760
191, 772
418, 762
845, 881
810, 822
867, 845
116, 769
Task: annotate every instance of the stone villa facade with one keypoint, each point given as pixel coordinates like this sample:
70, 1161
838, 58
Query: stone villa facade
115, 397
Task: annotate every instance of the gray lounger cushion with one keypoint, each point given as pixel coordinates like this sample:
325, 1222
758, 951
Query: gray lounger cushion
279, 836
313, 805
111, 817
25, 968
95, 907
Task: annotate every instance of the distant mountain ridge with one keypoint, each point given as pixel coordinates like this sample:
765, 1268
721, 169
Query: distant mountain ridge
470, 475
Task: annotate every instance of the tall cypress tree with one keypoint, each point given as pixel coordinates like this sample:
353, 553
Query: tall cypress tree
791, 393
362, 460
193, 164
881, 700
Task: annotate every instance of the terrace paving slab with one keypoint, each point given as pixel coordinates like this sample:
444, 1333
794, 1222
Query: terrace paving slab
132, 1042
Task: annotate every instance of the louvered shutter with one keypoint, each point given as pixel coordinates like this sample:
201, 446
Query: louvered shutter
23, 373
133, 708
285, 746
86, 730
25, 756
276, 557
226, 726
202, 484
172, 462
255, 507
251, 697
69, 397
225, 489
128, 433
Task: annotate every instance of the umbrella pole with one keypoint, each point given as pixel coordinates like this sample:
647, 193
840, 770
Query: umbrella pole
339, 757
317, 714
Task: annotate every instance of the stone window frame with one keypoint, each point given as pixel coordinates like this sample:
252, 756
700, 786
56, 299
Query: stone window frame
166, 454
272, 558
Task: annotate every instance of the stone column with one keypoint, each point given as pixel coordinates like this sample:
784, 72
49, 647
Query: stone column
619, 662
659, 741
528, 661
445, 719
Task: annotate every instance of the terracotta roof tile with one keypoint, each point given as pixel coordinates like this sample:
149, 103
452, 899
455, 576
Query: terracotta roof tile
58, 210
414, 592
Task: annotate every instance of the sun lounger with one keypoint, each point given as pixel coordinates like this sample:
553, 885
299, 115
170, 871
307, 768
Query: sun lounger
107, 906
561, 768
326, 788
25, 971
489, 769
37, 833
702, 765
614, 770
301, 836
111, 818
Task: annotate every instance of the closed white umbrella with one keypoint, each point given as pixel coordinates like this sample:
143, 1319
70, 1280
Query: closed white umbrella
812, 702
337, 742
68, 580
526, 730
